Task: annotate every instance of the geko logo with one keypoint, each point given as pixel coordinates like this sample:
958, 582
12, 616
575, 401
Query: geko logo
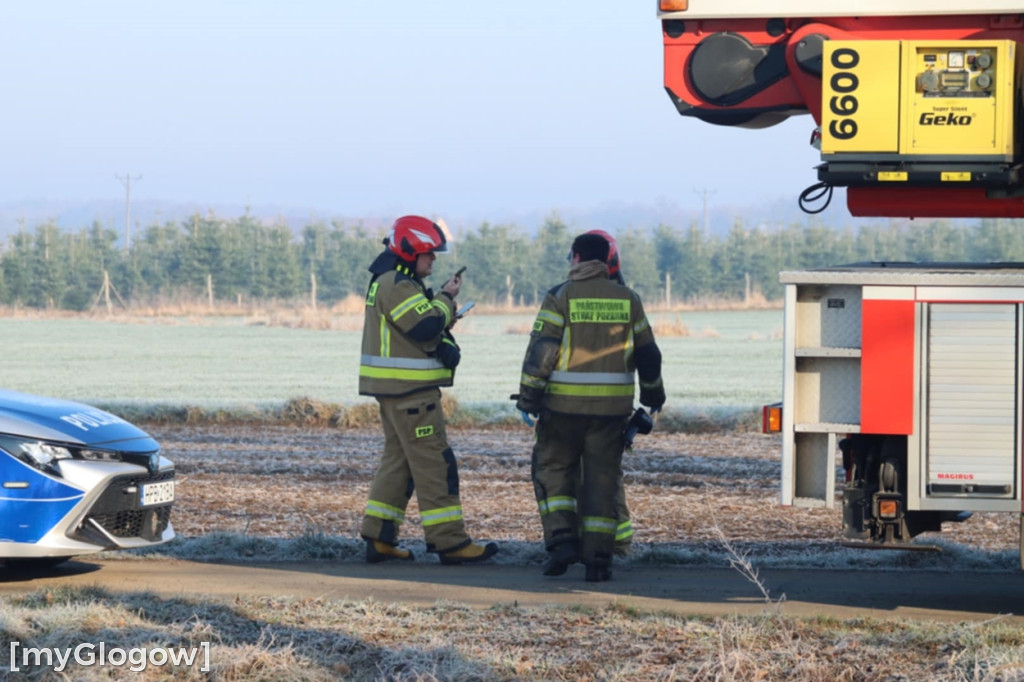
928, 119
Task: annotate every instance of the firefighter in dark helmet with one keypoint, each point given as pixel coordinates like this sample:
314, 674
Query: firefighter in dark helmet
408, 353
589, 340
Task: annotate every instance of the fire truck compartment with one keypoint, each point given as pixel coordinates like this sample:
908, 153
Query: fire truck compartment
926, 352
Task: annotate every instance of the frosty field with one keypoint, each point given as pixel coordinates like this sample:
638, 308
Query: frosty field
728, 359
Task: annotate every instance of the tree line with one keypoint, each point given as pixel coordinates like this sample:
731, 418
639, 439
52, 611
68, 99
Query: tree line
248, 260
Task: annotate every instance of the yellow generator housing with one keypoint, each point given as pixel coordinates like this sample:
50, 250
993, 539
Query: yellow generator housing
920, 113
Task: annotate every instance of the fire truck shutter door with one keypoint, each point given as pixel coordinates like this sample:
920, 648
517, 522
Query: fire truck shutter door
971, 402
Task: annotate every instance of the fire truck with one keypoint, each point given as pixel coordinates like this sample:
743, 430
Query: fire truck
905, 379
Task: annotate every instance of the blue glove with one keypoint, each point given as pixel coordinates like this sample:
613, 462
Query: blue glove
526, 418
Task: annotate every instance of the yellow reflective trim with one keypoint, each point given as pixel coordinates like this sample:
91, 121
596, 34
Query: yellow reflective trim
551, 318
565, 350
624, 531
385, 338
641, 325
371, 295
592, 378
557, 503
444, 310
404, 374
599, 524
599, 310
594, 390
532, 382
384, 511
407, 305
441, 515
627, 353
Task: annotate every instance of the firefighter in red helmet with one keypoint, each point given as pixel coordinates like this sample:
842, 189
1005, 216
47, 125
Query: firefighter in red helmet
408, 354
589, 342
624, 531
614, 264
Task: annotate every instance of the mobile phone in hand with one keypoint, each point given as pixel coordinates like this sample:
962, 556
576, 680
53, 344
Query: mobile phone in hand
460, 271
464, 309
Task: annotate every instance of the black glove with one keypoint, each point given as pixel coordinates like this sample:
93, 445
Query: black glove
653, 397
448, 352
528, 400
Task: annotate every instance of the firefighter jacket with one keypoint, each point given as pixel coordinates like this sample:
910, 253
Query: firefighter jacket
403, 328
588, 340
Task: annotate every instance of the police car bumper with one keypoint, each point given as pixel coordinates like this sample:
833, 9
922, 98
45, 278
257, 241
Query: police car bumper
112, 512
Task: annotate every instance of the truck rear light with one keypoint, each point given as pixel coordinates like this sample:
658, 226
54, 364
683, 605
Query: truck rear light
673, 5
771, 418
888, 509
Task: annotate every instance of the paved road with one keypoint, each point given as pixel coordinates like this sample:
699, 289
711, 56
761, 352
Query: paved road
843, 594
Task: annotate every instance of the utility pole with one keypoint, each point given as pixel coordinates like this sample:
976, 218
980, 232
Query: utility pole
705, 223
127, 182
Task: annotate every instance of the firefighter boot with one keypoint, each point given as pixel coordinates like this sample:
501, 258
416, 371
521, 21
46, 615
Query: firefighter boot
471, 553
599, 568
560, 557
377, 551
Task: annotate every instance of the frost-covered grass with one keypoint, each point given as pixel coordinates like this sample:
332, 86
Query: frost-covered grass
296, 639
315, 545
729, 360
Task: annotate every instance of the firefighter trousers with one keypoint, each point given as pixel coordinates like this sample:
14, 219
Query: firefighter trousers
579, 456
416, 457
624, 531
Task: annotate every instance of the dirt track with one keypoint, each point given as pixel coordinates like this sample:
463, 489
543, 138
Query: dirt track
690, 489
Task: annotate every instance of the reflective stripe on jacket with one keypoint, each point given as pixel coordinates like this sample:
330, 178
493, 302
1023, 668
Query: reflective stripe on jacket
397, 358
597, 324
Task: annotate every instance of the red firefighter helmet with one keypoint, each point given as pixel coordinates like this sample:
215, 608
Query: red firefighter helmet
613, 251
412, 235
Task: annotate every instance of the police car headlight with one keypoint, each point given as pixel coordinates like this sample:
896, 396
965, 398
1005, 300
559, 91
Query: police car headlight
43, 455
100, 455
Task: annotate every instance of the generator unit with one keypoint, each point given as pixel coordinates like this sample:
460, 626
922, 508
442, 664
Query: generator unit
916, 105
920, 113
906, 377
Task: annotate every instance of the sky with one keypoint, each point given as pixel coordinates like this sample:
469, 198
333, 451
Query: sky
358, 108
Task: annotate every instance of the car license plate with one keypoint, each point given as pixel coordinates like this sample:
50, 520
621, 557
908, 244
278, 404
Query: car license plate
157, 493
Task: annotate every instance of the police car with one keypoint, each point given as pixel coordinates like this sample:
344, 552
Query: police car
77, 480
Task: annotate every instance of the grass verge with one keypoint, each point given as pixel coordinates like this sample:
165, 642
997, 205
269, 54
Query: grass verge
306, 411
315, 639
